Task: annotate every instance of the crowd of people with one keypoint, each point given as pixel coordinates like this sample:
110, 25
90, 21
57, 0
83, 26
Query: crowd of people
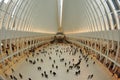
73, 64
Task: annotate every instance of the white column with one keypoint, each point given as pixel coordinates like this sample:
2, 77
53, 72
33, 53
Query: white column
117, 53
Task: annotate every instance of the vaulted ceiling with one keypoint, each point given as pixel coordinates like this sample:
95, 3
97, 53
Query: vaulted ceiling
46, 16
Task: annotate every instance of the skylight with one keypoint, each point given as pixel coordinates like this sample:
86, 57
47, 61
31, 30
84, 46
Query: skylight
15, 8
5, 1
61, 9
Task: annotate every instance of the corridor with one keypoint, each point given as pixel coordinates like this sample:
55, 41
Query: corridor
57, 52
60, 39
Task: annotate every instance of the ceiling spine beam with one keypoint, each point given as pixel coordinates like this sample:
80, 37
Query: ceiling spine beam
60, 14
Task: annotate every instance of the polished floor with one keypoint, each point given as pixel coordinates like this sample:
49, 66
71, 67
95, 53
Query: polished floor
29, 70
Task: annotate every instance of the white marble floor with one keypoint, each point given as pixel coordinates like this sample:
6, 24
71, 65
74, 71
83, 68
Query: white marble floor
30, 71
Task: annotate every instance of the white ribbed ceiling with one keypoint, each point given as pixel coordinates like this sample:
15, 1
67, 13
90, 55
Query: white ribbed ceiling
72, 15
44, 16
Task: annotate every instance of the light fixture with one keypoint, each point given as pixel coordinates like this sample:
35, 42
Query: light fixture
1, 44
